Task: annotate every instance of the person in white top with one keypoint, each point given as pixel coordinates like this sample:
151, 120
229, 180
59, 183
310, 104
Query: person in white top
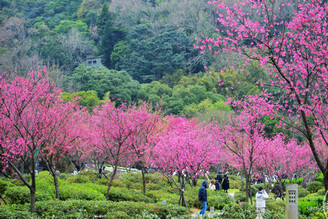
261, 197
212, 186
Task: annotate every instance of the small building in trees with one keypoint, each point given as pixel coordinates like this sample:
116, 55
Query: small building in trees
93, 61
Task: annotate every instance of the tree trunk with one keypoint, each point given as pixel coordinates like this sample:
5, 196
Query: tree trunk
325, 181
56, 186
33, 187
3, 199
32, 206
111, 180
194, 181
53, 173
143, 180
247, 190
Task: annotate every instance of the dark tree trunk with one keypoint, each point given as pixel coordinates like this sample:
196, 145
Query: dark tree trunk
111, 179
56, 186
3, 199
143, 180
33, 187
194, 181
325, 181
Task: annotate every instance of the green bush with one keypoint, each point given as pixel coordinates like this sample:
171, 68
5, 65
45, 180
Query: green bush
275, 205
22, 195
16, 211
313, 187
319, 177
90, 174
18, 195
240, 197
235, 184
302, 192
243, 210
101, 208
80, 192
123, 194
306, 205
4, 184
117, 214
79, 178
321, 192
17, 182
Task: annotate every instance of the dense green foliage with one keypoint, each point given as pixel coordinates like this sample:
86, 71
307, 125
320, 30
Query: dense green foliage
83, 195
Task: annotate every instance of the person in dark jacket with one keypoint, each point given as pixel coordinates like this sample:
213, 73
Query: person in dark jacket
219, 177
217, 185
202, 197
225, 183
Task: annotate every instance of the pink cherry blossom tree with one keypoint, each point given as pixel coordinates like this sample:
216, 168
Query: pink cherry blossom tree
242, 142
148, 128
28, 118
58, 139
294, 52
187, 148
113, 128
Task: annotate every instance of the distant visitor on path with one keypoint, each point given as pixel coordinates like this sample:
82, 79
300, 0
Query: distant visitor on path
212, 185
219, 178
225, 183
261, 196
202, 197
217, 185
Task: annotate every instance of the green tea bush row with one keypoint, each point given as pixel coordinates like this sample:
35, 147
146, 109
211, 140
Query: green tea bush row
105, 208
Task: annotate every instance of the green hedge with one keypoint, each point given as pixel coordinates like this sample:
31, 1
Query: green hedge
16, 211
309, 205
313, 187
75, 208
80, 192
302, 192
4, 184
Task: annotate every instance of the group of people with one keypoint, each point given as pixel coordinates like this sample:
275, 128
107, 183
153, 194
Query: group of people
220, 182
261, 195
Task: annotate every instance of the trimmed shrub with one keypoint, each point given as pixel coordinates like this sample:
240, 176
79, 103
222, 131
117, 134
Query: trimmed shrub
240, 197
243, 210
313, 187
123, 194
22, 195
306, 205
275, 205
78, 179
90, 174
79, 192
16, 211
321, 192
4, 184
18, 195
319, 177
302, 192
102, 208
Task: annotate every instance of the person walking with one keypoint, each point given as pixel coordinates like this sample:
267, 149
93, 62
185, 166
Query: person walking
202, 197
225, 183
261, 197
